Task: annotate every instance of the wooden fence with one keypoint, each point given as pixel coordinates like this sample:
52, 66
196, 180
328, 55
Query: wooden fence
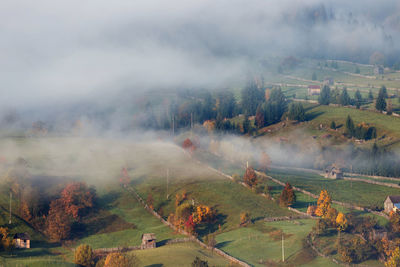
191, 237
347, 205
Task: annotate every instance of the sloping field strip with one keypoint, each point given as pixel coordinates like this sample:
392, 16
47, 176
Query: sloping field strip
243, 184
358, 179
194, 239
346, 205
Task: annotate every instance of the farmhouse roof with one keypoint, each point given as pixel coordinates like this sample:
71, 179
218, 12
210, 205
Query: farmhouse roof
149, 236
314, 87
394, 199
24, 236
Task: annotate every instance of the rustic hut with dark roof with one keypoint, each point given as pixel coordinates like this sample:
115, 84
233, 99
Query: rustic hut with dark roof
392, 203
333, 172
22, 240
148, 241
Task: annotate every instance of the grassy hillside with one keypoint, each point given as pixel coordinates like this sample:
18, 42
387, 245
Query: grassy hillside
122, 205
178, 255
260, 245
358, 193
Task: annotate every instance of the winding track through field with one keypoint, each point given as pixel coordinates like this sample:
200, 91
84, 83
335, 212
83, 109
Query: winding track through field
344, 204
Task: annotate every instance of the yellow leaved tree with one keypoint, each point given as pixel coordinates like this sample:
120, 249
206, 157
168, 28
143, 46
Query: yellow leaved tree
323, 204
394, 259
341, 222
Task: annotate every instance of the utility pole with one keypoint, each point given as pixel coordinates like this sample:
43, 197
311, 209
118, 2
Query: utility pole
173, 125
191, 125
167, 183
283, 249
9, 222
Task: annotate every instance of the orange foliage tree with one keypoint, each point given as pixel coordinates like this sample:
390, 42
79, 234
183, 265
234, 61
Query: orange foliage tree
394, 221
288, 197
209, 126
58, 221
203, 214
265, 161
341, 222
77, 197
188, 144
250, 177
6, 241
244, 218
331, 216
150, 201
323, 204
120, 260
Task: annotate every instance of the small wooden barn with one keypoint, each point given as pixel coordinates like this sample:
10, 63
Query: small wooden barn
333, 172
148, 241
22, 240
392, 203
314, 90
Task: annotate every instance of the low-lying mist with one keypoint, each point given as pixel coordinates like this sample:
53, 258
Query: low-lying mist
56, 54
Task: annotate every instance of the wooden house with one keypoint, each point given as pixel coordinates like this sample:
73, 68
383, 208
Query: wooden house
392, 203
22, 240
333, 172
328, 81
148, 241
314, 90
378, 70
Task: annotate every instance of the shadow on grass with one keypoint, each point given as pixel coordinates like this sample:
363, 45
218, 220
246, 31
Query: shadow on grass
44, 244
302, 204
108, 199
212, 227
312, 115
155, 265
25, 253
162, 242
223, 244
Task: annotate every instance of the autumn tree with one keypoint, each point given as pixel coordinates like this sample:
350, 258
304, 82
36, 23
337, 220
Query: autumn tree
150, 201
323, 204
259, 118
250, 177
190, 225
394, 221
331, 216
24, 211
121, 260
183, 215
341, 222
188, 145
244, 218
84, 256
209, 126
58, 221
6, 240
204, 214
77, 197
265, 161
394, 259
288, 197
